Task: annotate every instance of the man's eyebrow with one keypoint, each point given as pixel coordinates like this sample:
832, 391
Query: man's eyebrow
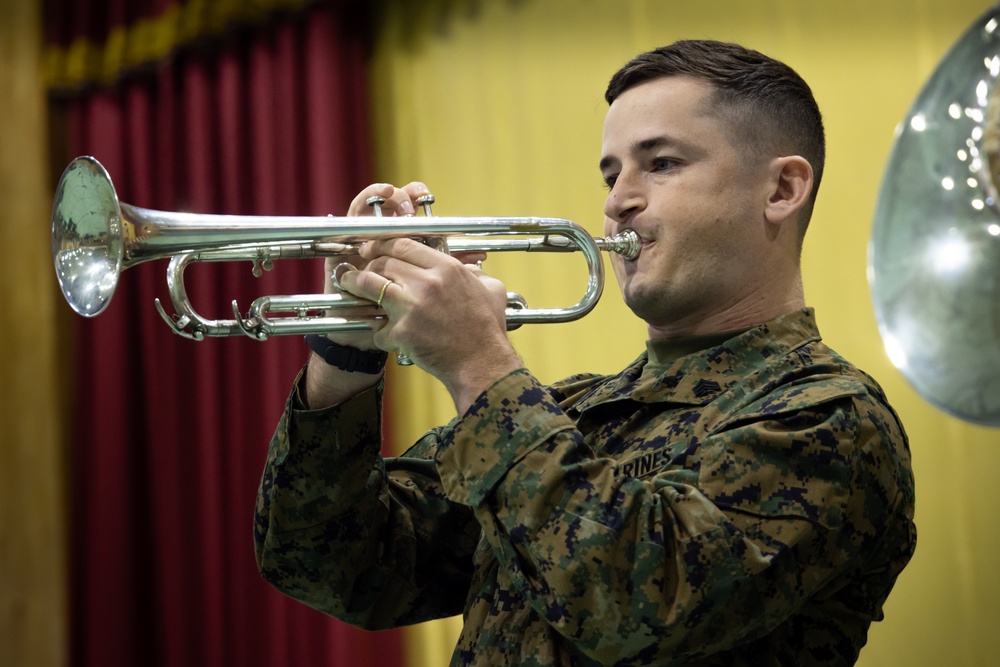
646, 146
651, 144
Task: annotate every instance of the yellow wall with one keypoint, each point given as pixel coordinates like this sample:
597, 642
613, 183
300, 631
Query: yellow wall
498, 106
33, 626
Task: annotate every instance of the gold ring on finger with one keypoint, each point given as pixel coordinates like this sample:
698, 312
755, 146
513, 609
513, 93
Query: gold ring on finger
381, 294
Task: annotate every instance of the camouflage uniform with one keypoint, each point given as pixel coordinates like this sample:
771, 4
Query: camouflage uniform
746, 504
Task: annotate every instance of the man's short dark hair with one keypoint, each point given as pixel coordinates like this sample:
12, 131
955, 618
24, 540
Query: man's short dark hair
769, 107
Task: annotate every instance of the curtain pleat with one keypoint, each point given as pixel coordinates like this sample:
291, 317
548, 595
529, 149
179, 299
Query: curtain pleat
171, 434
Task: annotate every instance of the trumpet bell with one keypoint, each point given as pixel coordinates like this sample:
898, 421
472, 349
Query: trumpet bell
934, 256
87, 241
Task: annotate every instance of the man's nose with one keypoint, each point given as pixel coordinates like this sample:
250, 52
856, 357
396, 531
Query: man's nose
625, 198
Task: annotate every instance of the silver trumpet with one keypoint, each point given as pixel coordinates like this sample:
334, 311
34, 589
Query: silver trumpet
95, 237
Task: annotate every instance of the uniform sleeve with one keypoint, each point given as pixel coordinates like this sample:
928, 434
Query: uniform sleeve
711, 553
371, 541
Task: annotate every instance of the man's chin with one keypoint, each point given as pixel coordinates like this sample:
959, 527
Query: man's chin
642, 303
656, 307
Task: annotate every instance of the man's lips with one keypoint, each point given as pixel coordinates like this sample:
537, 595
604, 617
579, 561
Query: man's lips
645, 242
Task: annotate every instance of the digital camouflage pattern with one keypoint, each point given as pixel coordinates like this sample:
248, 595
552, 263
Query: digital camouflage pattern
748, 504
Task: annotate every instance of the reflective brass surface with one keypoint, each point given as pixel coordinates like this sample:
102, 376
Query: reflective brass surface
934, 257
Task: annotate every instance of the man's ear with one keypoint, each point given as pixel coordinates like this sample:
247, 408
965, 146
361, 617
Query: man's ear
791, 185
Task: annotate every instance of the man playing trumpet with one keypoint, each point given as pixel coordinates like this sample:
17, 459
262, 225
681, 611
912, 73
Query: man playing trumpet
738, 495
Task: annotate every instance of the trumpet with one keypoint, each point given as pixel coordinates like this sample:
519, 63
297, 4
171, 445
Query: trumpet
95, 237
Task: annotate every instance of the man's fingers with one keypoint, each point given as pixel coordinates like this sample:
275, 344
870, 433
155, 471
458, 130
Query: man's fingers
366, 284
397, 201
407, 250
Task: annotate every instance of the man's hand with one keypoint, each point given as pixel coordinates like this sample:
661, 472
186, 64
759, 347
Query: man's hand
447, 316
327, 385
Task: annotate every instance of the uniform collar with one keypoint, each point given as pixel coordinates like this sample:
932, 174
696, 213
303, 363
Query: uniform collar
671, 371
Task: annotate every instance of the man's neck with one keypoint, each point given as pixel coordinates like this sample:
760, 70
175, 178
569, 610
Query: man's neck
745, 313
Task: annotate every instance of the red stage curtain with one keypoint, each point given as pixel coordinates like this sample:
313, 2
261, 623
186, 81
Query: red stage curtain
171, 434
99, 41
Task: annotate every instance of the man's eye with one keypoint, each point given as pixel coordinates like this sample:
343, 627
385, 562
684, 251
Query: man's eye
663, 163
609, 181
